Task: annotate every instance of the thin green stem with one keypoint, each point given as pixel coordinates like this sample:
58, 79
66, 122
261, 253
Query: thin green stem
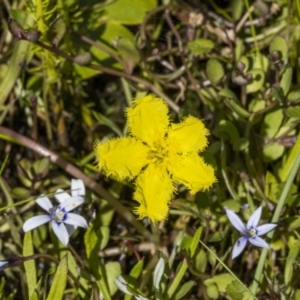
281, 202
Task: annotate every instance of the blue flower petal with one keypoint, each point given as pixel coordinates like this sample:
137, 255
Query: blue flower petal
235, 221
263, 229
259, 242
254, 219
239, 246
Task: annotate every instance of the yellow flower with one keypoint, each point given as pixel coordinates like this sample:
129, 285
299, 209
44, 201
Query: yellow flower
158, 154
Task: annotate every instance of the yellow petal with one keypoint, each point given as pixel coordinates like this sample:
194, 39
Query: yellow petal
121, 157
148, 119
193, 172
189, 135
154, 190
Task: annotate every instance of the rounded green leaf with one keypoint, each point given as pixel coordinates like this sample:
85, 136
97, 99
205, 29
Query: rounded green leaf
279, 45
201, 46
294, 96
293, 112
20, 193
257, 82
272, 152
258, 61
272, 123
214, 70
129, 12
212, 291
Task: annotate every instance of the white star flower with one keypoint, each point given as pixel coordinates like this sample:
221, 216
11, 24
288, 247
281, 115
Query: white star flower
251, 232
62, 221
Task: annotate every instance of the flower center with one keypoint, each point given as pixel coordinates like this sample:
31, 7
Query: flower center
57, 214
158, 152
251, 233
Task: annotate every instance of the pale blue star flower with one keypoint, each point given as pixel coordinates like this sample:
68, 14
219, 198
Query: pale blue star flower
62, 221
251, 232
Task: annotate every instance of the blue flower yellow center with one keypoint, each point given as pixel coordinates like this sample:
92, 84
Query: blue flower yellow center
252, 232
57, 214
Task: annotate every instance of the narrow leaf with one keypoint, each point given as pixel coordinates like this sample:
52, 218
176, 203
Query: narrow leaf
29, 265
60, 281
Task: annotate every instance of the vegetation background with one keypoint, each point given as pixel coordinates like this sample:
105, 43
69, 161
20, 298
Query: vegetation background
69, 69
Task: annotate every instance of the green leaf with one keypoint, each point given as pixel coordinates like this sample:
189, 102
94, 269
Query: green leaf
235, 290
195, 241
35, 295
111, 271
18, 57
277, 94
20, 193
279, 45
272, 123
288, 164
294, 96
293, 111
214, 70
216, 236
227, 93
184, 289
258, 61
129, 12
241, 144
293, 223
42, 166
257, 82
286, 80
201, 46
232, 204
237, 8
212, 291
94, 240
59, 281
272, 151
29, 265
129, 54
229, 129
221, 280
108, 122
290, 262
200, 260
235, 107
135, 272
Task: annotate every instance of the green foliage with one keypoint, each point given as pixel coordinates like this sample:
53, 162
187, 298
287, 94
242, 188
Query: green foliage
59, 281
235, 67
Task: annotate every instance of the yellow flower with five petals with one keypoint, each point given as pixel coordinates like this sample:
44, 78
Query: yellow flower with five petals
158, 154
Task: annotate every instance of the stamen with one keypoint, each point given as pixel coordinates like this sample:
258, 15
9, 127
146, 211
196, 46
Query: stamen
57, 214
